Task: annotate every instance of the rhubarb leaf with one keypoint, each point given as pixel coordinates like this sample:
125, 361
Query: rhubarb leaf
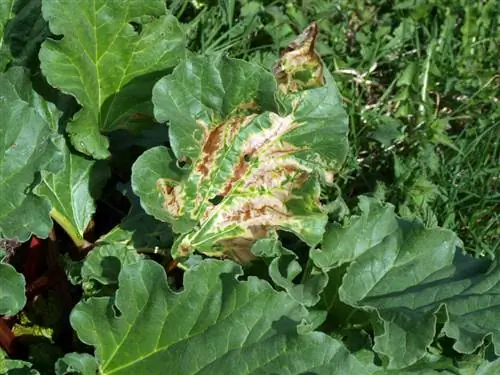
284, 269
109, 57
80, 363
404, 274
147, 327
72, 192
239, 169
29, 145
140, 231
12, 296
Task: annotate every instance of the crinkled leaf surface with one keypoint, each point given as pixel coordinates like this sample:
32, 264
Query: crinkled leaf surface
284, 269
110, 55
29, 145
80, 363
104, 263
216, 325
406, 276
238, 169
12, 296
72, 192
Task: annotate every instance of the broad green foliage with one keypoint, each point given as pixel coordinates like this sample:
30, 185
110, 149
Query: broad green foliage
29, 145
12, 297
109, 57
194, 331
284, 268
72, 192
405, 273
71, 363
241, 152
241, 166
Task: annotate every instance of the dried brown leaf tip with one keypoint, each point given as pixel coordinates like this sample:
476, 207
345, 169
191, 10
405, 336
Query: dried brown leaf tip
300, 67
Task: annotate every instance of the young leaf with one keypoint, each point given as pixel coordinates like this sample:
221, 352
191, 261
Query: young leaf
72, 192
29, 145
109, 57
406, 276
12, 296
80, 363
215, 325
242, 170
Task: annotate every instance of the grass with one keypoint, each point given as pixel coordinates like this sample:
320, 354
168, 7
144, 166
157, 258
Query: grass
421, 86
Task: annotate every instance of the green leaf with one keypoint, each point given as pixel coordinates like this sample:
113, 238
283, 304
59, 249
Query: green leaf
29, 145
23, 35
6, 13
489, 368
72, 192
285, 268
12, 297
239, 170
15, 366
193, 332
79, 363
362, 232
140, 231
104, 263
109, 57
405, 277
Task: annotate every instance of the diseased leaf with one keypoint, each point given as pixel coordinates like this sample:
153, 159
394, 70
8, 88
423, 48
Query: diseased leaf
406, 276
12, 297
76, 363
72, 192
192, 332
29, 145
109, 57
239, 170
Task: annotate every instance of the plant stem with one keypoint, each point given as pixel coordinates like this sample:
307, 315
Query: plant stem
77, 239
6, 337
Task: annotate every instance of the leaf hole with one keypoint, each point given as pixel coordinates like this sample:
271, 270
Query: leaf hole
116, 312
136, 26
247, 157
184, 162
215, 200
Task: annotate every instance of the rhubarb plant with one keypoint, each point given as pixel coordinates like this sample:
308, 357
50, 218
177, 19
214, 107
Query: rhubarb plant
165, 210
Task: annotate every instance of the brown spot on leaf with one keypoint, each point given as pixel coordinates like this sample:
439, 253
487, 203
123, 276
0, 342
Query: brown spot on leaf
213, 143
170, 193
